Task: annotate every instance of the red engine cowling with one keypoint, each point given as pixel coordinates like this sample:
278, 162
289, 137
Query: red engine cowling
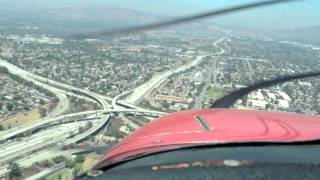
214, 126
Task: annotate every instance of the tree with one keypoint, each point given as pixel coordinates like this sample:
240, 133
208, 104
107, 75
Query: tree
14, 170
82, 107
233, 86
1, 127
59, 159
77, 170
166, 105
42, 102
42, 112
244, 100
118, 134
71, 134
88, 124
70, 163
4, 70
81, 129
36, 163
10, 107
46, 163
268, 106
95, 106
82, 101
26, 108
79, 159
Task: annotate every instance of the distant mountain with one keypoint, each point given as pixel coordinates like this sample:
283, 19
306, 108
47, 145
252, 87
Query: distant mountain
75, 19
309, 35
98, 15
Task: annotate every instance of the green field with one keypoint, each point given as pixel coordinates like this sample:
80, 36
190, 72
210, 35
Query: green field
64, 174
21, 119
214, 93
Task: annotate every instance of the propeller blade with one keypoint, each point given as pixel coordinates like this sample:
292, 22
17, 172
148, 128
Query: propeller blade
228, 100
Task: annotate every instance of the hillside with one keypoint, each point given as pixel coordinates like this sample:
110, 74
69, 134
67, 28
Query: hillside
73, 19
309, 35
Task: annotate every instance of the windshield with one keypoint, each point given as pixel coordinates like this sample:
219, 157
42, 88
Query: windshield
75, 79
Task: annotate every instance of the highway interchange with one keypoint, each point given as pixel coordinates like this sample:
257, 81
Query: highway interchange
43, 139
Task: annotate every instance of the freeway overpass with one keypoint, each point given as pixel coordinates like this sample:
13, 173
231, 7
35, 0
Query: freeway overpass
157, 80
26, 149
58, 87
28, 146
51, 85
63, 101
66, 118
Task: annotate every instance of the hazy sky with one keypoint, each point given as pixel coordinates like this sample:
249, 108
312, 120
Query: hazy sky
291, 15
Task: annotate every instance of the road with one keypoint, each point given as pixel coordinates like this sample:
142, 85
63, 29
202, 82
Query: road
67, 118
61, 106
143, 90
24, 150
52, 85
18, 150
37, 140
250, 71
63, 102
61, 134
211, 71
116, 99
47, 172
33, 145
199, 99
152, 95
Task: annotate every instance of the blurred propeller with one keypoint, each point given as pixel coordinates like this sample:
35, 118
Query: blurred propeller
228, 100
175, 21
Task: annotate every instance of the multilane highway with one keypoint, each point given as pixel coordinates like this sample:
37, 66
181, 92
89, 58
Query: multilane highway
66, 118
63, 103
24, 150
53, 86
143, 90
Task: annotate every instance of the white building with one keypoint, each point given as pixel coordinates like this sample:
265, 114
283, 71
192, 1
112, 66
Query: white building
283, 103
198, 78
258, 103
284, 95
271, 95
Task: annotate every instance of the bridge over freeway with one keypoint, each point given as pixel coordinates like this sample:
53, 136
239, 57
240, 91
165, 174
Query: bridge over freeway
70, 117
